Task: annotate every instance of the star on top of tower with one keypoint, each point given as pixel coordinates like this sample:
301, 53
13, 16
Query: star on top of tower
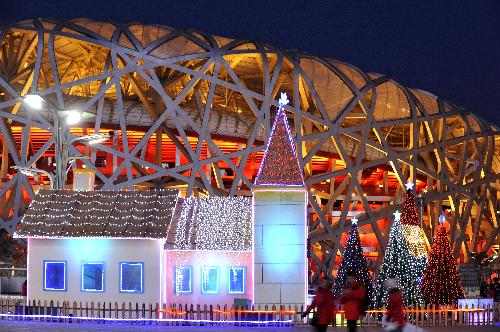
397, 215
409, 185
283, 99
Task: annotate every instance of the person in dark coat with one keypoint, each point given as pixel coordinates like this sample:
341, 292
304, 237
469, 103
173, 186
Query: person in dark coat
496, 285
395, 306
325, 302
352, 299
483, 289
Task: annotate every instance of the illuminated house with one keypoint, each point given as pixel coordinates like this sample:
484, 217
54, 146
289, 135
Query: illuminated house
157, 247
138, 246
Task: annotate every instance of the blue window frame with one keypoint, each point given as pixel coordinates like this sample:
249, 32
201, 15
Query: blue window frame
237, 280
183, 280
92, 277
209, 280
54, 276
132, 277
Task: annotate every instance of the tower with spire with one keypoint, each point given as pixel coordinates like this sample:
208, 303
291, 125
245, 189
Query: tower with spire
280, 220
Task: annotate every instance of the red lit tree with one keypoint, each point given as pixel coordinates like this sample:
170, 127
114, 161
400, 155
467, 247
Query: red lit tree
409, 216
441, 283
413, 233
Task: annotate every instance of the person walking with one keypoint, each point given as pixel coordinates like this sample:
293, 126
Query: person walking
352, 298
325, 302
395, 319
496, 286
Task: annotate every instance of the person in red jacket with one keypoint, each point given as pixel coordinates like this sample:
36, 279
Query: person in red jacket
395, 307
352, 299
325, 302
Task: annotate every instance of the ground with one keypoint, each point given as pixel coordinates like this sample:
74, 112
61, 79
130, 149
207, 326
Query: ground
13, 326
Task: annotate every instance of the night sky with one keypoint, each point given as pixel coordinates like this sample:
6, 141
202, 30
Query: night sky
451, 51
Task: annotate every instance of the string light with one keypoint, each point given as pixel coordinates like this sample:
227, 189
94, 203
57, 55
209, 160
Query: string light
280, 164
441, 282
398, 264
353, 261
214, 223
413, 233
160, 320
180, 280
99, 214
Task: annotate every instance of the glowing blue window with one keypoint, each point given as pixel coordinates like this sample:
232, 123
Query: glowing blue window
183, 280
132, 277
237, 280
92, 277
54, 276
209, 280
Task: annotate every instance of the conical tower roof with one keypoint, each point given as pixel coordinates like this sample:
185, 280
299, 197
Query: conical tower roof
280, 164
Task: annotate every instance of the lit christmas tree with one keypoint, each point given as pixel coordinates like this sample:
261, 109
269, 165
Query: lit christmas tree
398, 264
441, 283
280, 164
413, 232
353, 260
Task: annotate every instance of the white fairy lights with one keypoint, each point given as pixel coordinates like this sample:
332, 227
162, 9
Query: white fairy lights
100, 214
214, 223
416, 244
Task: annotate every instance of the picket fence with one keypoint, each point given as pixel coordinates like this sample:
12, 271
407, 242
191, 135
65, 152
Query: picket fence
180, 315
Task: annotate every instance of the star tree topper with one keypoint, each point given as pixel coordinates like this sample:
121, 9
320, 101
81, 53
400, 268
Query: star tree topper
397, 215
354, 220
409, 185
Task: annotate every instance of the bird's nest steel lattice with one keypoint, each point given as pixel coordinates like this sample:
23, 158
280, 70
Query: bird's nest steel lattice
193, 111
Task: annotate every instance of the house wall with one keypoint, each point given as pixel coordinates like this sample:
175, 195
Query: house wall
109, 251
280, 246
198, 258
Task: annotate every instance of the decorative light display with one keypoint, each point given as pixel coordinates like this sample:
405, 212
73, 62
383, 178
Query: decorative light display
167, 320
412, 231
409, 215
441, 282
237, 280
353, 261
209, 280
214, 223
183, 280
398, 264
104, 214
280, 164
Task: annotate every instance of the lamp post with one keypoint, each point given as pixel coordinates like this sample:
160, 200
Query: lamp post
30, 172
61, 141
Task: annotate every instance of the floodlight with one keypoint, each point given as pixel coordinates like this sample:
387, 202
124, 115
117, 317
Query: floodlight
34, 101
73, 117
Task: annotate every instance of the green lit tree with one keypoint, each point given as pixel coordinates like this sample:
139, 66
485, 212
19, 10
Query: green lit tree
353, 260
399, 265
